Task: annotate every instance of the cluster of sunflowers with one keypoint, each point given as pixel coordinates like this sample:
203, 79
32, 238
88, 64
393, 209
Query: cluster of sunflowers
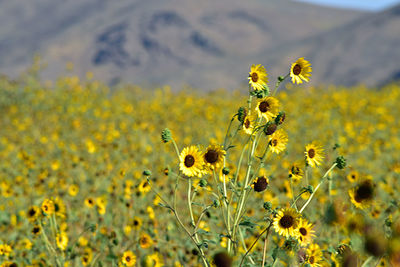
76, 187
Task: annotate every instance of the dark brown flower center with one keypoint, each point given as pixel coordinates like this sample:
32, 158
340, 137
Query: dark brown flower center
261, 184
274, 142
303, 231
254, 77
286, 221
311, 153
189, 161
211, 156
264, 106
311, 259
296, 69
128, 258
247, 123
295, 170
32, 212
364, 192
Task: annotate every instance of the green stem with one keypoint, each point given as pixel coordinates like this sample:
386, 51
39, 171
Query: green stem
278, 83
316, 189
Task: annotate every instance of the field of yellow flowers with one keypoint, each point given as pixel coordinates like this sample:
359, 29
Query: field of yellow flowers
93, 176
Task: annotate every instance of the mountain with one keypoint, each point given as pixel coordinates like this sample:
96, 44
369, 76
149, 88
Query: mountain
365, 51
206, 44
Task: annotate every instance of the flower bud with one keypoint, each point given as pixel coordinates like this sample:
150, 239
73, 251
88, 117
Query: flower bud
147, 173
270, 128
166, 135
225, 170
341, 162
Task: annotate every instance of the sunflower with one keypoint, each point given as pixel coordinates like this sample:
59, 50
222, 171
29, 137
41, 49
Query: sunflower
353, 176
33, 213
59, 207
62, 240
214, 157
89, 202
314, 255
128, 258
260, 183
286, 221
191, 162
305, 232
87, 256
295, 172
36, 230
48, 206
314, 154
278, 141
249, 123
145, 241
258, 77
143, 187
363, 194
268, 107
300, 71
136, 223
154, 260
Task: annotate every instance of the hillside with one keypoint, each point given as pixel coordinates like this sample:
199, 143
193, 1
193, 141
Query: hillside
206, 44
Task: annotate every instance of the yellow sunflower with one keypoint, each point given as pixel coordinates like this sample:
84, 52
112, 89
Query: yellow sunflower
249, 123
278, 141
214, 157
62, 240
33, 213
48, 206
305, 232
286, 222
314, 154
268, 107
36, 230
353, 176
258, 77
300, 71
59, 207
295, 172
128, 258
191, 162
154, 260
363, 194
145, 241
314, 255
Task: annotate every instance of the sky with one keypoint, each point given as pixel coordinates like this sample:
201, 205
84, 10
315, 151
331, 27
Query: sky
373, 5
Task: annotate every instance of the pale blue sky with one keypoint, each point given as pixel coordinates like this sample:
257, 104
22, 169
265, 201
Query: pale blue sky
373, 5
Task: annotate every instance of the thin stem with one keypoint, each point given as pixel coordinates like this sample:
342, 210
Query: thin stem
278, 83
176, 147
365, 264
291, 188
316, 189
255, 241
228, 130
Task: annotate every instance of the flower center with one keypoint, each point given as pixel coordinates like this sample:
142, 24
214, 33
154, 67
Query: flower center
211, 156
274, 142
311, 153
264, 106
128, 259
311, 259
254, 77
296, 69
247, 123
303, 231
286, 221
363, 192
189, 161
32, 212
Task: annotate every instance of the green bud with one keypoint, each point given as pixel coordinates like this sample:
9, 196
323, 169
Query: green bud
225, 170
388, 222
203, 183
341, 162
147, 173
166, 135
310, 189
280, 118
242, 112
281, 78
267, 206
